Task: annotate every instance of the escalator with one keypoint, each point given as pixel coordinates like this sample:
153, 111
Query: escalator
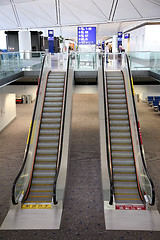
131, 187
48, 141
122, 154
36, 182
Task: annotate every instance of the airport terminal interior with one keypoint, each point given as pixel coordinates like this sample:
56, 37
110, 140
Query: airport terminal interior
80, 119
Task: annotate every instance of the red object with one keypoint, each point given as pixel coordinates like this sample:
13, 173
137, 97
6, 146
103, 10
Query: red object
140, 133
130, 207
38, 86
19, 100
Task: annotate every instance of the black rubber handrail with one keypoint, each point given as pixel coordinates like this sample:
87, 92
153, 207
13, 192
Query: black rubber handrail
107, 140
29, 138
139, 139
62, 133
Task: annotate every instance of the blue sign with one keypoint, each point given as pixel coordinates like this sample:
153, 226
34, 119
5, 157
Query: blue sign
51, 41
86, 35
50, 35
126, 35
119, 36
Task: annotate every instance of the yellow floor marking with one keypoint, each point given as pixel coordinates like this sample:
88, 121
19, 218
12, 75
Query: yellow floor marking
36, 206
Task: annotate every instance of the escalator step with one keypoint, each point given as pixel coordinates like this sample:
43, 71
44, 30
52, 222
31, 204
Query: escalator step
43, 182
36, 187
45, 166
116, 91
53, 99
120, 134
50, 120
116, 87
44, 174
54, 94
42, 199
117, 106
117, 100
55, 85
123, 154
121, 141
118, 111
51, 114
124, 169
121, 162
124, 177
46, 158
52, 104
115, 82
119, 123
53, 90
118, 117
41, 193
48, 144
50, 126
48, 138
49, 132
118, 147
47, 151
52, 109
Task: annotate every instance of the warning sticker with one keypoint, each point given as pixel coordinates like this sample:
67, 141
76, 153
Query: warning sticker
36, 206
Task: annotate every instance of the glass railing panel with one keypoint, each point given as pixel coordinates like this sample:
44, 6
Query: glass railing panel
113, 61
155, 62
145, 61
15, 62
59, 61
22, 181
85, 61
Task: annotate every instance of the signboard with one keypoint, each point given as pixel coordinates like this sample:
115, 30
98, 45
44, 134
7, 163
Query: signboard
119, 36
51, 41
86, 35
50, 35
126, 35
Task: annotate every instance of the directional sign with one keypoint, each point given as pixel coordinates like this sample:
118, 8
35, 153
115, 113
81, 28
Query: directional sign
86, 35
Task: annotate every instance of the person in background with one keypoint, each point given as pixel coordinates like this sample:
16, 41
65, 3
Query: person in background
107, 51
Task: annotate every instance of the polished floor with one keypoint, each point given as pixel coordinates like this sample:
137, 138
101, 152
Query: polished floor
83, 216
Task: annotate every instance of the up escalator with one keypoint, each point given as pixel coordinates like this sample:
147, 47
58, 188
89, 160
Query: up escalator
131, 187
37, 179
44, 172
122, 154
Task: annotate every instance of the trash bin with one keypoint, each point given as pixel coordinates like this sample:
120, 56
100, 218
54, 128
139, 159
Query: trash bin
29, 99
24, 97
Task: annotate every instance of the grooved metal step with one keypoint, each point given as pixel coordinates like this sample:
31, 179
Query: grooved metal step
116, 101
52, 104
50, 125
49, 132
117, 86
55, 85
115, 82
48, 144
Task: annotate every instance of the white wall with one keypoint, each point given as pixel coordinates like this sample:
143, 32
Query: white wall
21, 90
147, 90
146, 38
7, 109
3, 43
152, 39
137, 40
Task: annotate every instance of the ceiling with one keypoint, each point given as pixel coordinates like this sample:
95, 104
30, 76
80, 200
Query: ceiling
109, 16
